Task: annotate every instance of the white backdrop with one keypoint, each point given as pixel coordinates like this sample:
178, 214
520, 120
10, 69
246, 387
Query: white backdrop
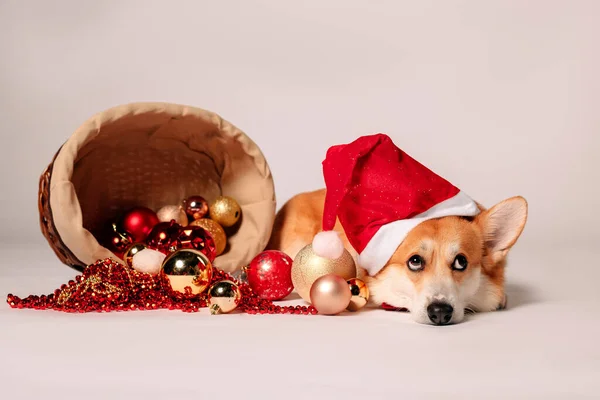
500, 97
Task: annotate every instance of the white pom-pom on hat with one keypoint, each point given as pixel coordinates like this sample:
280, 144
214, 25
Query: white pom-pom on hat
148, 261
328, 244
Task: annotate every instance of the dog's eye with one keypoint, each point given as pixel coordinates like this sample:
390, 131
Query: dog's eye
460, 263
415, 263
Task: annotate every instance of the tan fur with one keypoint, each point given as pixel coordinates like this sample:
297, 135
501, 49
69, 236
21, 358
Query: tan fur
484, 240
298, 221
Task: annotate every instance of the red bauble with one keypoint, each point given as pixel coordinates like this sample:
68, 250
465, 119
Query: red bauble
195, 237
116, 241
139, 222
195, 207
163, 237
270, 275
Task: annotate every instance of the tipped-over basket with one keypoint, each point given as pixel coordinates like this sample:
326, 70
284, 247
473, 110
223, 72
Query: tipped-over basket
152, 155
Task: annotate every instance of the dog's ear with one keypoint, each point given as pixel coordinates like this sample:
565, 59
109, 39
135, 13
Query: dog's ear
502, 225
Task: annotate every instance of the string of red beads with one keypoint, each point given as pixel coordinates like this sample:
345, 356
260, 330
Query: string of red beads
108, 286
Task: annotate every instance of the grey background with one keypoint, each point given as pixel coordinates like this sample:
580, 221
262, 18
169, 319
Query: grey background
499, 97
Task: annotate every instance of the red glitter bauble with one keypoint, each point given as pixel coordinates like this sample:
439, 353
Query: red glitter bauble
195, 207
197, 238
270, 275
138, 222
163, 237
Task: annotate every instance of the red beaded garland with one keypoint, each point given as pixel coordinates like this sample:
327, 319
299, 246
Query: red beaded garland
108, 286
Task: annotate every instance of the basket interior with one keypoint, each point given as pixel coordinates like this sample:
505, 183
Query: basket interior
147, 160
153, 159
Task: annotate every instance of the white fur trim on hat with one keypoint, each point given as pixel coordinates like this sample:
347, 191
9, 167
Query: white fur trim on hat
384, 243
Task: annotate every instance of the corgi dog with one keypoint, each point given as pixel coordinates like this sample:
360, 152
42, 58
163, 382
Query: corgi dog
442, 267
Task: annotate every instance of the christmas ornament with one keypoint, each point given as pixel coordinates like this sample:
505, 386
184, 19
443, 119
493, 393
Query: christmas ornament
195, 207
148, 261
177, 213
360, 294
108, 285
379, 194
197, 238
308, 267
188, 271
330, 294
138, 222
163, 237
117, 241
132, 251
225, 210
269, 275
215, 230
223, 297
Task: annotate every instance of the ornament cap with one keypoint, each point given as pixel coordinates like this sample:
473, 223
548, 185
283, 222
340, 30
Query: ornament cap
215, 309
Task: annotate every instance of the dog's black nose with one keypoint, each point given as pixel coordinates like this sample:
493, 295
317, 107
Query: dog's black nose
440, 313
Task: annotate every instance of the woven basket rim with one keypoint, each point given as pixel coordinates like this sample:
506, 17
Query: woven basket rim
57, 179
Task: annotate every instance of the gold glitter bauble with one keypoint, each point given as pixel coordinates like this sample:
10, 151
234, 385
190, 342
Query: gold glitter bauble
360, 294
308, 267
215, 230
330, 294
225, 210
188, 268
132, 251
223, 297
168, 213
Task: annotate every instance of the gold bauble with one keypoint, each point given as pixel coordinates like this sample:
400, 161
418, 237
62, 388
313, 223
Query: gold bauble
132, 251
308, 267
360, 294
215, 230
223, 297
225, 210
330, 294
168, 213
188, 268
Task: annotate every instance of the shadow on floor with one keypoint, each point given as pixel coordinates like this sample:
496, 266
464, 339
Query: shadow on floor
518, 295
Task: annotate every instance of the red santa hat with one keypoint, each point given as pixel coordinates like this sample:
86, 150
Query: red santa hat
379, 193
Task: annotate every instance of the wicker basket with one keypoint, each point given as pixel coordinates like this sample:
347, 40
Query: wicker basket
152, 154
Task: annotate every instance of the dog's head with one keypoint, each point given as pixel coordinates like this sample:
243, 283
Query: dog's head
448, 265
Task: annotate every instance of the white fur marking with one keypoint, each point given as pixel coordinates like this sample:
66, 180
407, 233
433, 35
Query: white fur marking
476, 292
391, 287
453, 249
487, 297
